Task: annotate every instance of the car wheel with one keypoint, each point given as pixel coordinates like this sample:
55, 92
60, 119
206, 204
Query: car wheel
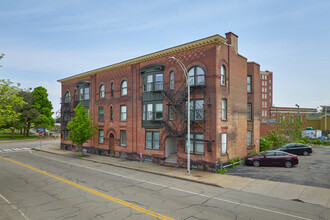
256, 163
288, 164
305, 153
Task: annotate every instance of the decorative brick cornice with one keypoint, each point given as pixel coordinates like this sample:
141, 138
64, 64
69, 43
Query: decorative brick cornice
215, 39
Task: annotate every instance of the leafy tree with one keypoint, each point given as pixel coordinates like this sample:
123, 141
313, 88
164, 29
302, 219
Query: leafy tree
28, 112
81, 126
44, 107
289, 130
265, 143
10, 104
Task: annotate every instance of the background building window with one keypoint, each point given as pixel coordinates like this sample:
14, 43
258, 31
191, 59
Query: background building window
102, 93
197, 76
249, 84
123, 112
111, 88
249, 139
101, 136
172, 80
249, 111
223, 75
111, 114
101, 113
152, 140
122, 138
67, 97
124, 88
196, 144
224, 109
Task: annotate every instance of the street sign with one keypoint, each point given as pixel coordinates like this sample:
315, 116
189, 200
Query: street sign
40, 129
40, 134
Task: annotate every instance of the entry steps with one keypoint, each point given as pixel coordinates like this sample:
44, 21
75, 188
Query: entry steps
171, 159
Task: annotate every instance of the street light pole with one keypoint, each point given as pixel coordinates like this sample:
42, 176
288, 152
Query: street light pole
298, 110
183, 67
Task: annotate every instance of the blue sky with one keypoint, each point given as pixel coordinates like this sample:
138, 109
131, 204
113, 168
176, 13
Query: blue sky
49, 40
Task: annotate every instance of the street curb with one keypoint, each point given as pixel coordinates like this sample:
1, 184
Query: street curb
133, 168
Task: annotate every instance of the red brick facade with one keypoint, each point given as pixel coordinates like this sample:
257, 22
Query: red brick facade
209, 54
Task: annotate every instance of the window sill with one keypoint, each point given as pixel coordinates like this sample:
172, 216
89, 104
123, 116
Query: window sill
151, 149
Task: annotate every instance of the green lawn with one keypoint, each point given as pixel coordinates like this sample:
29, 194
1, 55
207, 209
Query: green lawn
4, 137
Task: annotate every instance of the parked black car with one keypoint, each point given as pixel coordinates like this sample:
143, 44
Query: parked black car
272, 158
296, 148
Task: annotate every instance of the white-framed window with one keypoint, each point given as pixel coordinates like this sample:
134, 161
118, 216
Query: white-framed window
102, 92
223, 75
249, 139
172, 80
124, 88
67, 97
265, 76
224, 109
249, 84
265, 83
123, 115
223, 143
196, 144
197, 76
101, 136
122, 137
270, 81
152, 140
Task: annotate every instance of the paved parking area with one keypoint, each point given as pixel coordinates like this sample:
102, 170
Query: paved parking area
312, 170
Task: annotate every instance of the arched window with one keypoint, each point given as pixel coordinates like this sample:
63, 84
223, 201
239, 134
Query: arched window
111, 88
124, 88
223, 75
102, 91
197, 76
172, 80
67, 97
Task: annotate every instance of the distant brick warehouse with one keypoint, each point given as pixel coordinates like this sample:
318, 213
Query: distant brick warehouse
139, 105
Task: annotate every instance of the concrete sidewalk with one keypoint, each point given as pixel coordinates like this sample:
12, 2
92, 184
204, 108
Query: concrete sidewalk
281, 190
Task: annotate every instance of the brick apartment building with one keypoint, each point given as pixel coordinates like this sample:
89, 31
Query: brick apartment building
139, 105
266, 85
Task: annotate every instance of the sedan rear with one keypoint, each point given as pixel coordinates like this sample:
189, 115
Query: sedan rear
272, 158
296, 148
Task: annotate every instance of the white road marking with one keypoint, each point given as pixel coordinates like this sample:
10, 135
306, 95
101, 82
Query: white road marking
14, 207
177, 189
15, 149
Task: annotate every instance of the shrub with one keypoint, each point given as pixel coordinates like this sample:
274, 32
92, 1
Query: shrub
221, 171
265, 144
300, 141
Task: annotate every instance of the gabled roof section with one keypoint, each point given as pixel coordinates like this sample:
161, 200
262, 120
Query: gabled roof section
215, 39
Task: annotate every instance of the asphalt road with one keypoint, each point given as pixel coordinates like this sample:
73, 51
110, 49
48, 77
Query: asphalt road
312, 170
37, 185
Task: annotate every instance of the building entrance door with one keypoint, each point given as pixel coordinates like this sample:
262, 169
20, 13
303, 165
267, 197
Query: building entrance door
111, 144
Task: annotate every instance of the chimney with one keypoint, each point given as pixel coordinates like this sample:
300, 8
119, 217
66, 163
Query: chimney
232, 39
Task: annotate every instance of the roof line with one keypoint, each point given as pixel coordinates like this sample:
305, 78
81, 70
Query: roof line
215, 39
